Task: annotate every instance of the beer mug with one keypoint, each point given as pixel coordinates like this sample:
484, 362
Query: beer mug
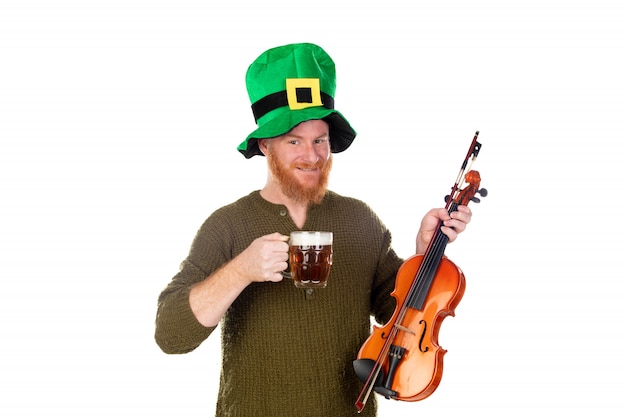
310, 258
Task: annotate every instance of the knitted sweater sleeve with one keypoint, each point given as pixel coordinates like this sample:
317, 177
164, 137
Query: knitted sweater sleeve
383, 305
176, 329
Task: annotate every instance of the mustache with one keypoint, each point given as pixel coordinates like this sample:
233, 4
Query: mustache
302, 165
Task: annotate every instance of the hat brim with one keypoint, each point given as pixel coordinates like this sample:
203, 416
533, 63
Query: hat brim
284, 119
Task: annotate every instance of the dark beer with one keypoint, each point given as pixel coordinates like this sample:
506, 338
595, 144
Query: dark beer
310, 258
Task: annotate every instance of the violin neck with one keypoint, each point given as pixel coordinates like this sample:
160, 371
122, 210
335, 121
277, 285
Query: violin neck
438, 243
428, 268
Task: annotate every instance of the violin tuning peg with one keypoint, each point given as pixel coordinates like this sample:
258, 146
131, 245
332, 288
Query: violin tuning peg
446, 198
475, 199
482, 192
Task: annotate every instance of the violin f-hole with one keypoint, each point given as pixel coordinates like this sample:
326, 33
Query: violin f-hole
423, 348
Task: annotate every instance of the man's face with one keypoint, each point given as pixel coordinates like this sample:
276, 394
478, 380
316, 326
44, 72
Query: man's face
301, 160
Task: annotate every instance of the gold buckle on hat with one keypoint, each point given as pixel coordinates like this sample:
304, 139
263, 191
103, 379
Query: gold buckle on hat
303, 93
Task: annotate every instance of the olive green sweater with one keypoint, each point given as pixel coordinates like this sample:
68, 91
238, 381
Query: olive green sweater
285, 351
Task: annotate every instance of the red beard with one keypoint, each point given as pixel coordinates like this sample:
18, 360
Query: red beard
292, 188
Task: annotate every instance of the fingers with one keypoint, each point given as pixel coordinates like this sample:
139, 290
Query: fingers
276, 236
455, 222
272, 255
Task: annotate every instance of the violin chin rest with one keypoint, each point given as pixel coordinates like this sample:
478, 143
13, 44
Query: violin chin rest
363, 368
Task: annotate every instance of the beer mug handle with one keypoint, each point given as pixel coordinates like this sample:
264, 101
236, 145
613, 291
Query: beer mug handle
287, 272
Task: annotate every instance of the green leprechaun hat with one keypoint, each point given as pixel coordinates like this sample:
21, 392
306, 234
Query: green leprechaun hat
288, 85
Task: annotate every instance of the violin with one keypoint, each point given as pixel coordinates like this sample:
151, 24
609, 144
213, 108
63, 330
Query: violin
402, 360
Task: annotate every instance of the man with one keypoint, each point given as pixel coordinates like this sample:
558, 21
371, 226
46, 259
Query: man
288, 351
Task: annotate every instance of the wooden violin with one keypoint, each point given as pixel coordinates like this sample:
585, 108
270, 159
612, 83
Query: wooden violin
403, 360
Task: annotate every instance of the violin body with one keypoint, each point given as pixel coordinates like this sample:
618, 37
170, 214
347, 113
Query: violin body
416, 334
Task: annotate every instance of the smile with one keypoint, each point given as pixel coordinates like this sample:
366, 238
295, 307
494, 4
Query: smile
307, 168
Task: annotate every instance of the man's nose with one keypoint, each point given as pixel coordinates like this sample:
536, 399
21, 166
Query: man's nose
309, 153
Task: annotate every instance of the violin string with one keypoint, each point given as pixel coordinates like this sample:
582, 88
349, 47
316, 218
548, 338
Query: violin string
425, 274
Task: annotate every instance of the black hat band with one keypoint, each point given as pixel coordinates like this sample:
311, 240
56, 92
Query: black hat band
279, 99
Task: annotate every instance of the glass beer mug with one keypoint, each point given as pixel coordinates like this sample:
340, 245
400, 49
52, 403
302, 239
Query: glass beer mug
310, 258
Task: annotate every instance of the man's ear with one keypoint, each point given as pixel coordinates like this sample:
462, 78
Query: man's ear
263, 145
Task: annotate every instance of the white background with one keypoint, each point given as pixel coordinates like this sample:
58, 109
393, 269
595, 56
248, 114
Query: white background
118, 127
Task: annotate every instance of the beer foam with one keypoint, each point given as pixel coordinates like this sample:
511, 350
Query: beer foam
311, 238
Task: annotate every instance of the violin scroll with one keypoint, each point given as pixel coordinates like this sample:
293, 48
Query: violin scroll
464, 196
